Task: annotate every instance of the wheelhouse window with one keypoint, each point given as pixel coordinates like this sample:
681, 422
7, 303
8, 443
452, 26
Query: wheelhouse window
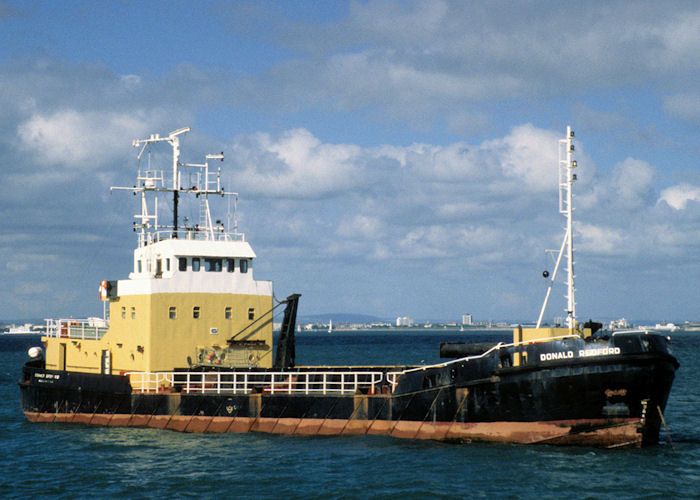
212, 265
244, 265
139, 266
182, 263
167, 265
251, 313
230, 265
227, 313
195, 312
196, 263
159, 267
172, 312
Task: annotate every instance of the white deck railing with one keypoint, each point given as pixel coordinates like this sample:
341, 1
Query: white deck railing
631, 331
306, 382
267, 382
207, 234
93, 328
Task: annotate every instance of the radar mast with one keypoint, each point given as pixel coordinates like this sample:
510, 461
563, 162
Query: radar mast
200, 182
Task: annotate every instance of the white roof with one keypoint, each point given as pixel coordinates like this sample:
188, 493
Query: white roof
200, 248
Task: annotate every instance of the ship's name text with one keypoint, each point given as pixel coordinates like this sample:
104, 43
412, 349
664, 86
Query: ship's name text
582, 353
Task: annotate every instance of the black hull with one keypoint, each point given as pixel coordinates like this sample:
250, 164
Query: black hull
614, 399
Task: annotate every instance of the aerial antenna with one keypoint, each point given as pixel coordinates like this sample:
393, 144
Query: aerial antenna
174, 141
200, 181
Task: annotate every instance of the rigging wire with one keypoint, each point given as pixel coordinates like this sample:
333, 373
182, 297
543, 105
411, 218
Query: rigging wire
271, 311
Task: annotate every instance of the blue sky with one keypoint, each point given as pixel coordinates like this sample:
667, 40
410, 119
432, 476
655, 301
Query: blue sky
393, 158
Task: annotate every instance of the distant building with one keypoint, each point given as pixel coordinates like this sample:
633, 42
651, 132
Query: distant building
467, 319
619, 324
404, 321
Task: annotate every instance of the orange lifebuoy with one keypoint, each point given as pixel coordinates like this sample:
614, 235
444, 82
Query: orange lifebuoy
103, 290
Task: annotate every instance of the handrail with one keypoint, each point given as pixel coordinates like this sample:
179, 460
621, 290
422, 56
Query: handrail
266, 382
217, 234
83, 329
291, 382
392, 377
623, 332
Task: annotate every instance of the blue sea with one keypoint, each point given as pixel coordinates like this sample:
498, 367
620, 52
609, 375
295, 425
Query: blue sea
70, 461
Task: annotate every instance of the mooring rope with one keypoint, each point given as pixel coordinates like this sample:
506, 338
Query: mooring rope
663, 421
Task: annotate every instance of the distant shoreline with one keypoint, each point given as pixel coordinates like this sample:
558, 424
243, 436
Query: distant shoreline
451, 329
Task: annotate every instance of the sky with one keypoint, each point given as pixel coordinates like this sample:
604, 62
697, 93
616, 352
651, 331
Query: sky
392, 158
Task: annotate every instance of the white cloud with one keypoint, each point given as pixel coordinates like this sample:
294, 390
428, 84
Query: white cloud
424, 242
525, 160
421, 201
416, 58
599, 240
496, 201
76, 140
487, 201
419, 180
529, 155
361, 226
678, 196
680, 38
297, 164
130, 82
632, 182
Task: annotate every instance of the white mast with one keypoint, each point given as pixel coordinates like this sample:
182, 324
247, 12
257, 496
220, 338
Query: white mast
566, 180
567, 168
151, 179
204, 184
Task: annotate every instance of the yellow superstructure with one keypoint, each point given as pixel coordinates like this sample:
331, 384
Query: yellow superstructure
143, 336
191, 299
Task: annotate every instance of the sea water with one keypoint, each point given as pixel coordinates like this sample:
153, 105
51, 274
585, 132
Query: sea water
73, 461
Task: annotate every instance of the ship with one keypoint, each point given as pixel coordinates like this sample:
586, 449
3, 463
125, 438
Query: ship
187, 344
25, 329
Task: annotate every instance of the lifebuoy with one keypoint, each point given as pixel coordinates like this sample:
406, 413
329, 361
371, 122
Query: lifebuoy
103, 290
